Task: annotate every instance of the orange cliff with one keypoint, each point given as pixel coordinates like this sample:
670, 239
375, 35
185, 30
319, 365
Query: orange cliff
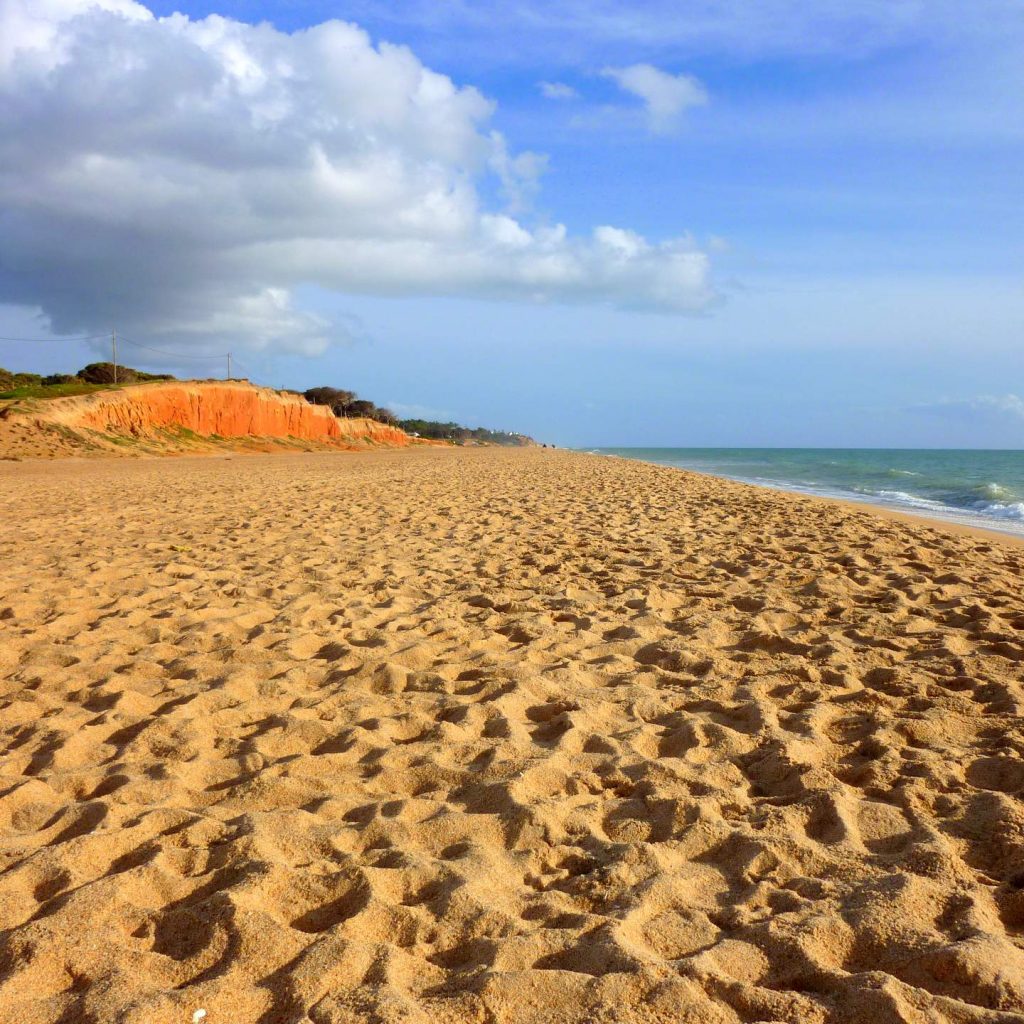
229, 409
176, 415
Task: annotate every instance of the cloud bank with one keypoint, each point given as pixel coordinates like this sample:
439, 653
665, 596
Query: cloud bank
184, 178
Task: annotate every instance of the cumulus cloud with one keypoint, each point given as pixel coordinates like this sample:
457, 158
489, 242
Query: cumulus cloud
666, 97
978, 407
557, 91
185, 178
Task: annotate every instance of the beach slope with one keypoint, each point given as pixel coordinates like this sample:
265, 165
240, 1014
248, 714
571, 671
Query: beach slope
500, 736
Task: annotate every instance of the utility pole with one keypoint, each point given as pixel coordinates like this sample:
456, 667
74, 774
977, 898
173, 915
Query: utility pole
229, 366
113, 350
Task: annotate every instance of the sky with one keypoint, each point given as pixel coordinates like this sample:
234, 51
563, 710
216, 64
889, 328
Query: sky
688, 223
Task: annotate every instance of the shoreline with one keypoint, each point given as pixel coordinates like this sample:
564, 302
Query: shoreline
885, 511
960, 529
854, 505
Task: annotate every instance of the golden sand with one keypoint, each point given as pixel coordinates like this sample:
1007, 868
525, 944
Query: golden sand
489, 736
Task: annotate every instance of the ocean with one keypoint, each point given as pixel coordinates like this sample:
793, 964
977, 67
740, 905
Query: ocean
979, 488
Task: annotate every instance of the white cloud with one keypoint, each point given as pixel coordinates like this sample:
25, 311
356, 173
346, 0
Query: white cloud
1007, 406
518, 173
666, 97
557, 91
183, 179
31, 27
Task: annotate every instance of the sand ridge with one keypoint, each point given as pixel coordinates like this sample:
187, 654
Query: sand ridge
491, 736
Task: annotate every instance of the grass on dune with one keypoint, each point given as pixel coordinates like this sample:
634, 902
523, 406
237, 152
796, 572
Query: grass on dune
78, 387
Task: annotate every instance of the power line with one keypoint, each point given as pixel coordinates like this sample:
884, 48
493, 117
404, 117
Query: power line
231, 361
164, 352
84, 337
115, 338
120, 337
238, 366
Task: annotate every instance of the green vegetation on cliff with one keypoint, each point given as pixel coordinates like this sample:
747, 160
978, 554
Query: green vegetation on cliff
94, 377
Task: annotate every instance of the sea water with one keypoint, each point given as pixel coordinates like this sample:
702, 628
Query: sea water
980, 488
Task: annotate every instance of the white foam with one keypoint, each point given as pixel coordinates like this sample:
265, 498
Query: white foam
1003, 510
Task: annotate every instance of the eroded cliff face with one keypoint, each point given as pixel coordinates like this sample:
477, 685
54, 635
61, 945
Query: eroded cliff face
175, 415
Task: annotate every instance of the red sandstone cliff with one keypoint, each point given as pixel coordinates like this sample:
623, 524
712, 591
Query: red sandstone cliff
184, 415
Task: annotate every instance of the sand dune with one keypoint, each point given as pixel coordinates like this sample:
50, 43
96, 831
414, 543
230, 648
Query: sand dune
492, 736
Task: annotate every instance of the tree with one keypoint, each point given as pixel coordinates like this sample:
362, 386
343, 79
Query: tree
103, 373
342, 401
335, 398
361, 407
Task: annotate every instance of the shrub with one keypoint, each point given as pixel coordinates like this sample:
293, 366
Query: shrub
107, 373
57, 378
101, 373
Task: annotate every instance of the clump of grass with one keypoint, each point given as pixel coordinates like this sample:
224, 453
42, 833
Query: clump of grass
123, 439
67, 434
182, 433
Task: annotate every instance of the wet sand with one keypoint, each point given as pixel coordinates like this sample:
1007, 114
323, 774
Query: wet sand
488, 736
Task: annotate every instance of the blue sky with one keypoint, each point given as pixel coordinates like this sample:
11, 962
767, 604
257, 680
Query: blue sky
817, 211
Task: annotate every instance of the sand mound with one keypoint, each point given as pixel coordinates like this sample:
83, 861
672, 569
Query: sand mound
491, 736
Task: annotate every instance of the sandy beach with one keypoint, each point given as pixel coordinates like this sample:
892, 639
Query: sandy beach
500, 736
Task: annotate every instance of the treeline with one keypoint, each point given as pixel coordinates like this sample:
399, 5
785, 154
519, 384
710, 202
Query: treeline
456, 432
348, 403
94, 373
